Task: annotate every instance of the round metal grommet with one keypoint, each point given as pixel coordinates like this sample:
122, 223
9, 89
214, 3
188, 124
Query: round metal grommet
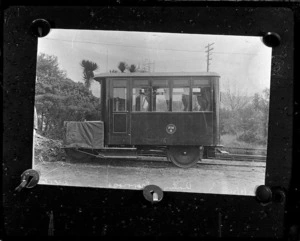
32, 177
29, 179
271, 39
153, 193
40, 27
263, 194
278, 195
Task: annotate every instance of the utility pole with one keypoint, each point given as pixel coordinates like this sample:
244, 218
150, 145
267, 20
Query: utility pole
208, 55
147, 65
106, 61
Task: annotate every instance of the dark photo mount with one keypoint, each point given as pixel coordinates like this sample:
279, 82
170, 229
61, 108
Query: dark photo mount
60, 210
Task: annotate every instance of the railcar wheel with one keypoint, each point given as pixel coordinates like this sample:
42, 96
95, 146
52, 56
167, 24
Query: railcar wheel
76, 155
184, 156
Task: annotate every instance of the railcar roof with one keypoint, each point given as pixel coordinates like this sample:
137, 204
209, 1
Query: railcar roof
156, 74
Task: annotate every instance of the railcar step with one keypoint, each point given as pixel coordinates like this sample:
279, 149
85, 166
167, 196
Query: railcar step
119, 148
118, 157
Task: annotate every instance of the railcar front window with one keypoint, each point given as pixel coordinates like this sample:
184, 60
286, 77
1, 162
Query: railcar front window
180, 99
119, 98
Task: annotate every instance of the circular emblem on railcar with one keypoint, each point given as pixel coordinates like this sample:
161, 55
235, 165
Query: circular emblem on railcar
171, 129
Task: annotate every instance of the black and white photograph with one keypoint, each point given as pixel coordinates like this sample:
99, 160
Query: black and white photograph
125, 109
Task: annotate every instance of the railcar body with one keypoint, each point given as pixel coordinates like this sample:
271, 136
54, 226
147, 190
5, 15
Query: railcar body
177, 113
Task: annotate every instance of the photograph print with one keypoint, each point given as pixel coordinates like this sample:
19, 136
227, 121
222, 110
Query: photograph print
124, 109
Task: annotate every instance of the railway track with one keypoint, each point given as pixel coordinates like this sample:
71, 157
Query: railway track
240, 157
228, 160
246, 151
220, 156
228, 153
159, 162
223, 158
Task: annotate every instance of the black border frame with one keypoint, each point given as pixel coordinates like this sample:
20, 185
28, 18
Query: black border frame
28, 209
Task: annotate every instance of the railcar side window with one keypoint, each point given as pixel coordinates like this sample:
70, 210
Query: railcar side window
160, 96
161, 99
180, 99
141, 99
180, 96
201, 100
141, 94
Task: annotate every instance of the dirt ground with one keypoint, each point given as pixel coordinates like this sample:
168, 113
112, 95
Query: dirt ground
208, 176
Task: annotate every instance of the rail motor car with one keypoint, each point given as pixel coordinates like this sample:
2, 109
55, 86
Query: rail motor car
176, 114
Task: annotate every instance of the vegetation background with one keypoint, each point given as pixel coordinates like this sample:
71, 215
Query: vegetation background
243, 119
59, 99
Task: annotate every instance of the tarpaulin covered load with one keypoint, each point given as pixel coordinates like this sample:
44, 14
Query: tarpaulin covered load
87, 134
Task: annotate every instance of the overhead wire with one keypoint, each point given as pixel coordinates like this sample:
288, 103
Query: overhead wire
143, 47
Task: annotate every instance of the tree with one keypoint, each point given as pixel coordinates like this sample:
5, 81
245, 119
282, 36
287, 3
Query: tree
122, 66
261, 105
132, 68
243, 117
234, 100
47, 75
88, 71
59, 99
47, 70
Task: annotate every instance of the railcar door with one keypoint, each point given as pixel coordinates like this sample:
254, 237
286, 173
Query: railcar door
119, 122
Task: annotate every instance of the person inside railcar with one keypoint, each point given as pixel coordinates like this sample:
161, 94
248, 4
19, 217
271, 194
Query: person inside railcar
143, 99
185, 99
201, 99
167, 97
204, 99
195, 103
160, 99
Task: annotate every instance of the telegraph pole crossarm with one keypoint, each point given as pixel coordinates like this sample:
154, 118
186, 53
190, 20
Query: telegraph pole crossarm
208, 55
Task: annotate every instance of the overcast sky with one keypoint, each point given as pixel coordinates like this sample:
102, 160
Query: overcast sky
243, 62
